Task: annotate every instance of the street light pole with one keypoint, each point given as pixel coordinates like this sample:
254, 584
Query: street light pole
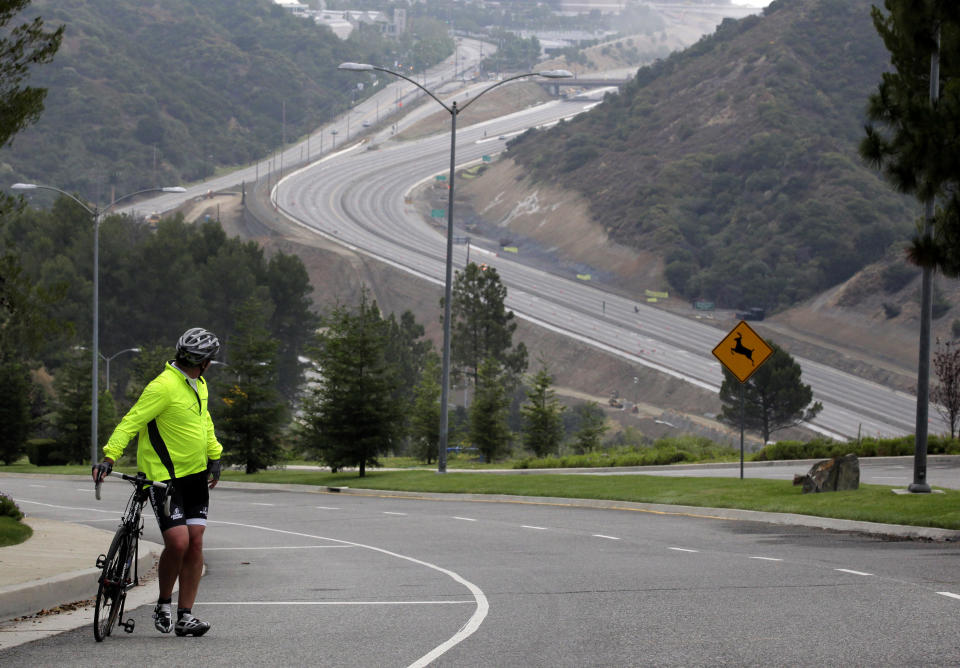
454, 111
97, 214
111, 358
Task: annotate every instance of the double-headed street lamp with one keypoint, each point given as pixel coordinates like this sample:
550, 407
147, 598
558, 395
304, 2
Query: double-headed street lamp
113, 357
454, 111
97, 213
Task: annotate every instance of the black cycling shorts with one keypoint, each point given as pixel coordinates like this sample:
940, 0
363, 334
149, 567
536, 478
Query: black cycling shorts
188, 505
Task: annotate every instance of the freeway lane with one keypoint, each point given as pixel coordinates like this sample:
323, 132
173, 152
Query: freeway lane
303, 578
357, 197
389, 101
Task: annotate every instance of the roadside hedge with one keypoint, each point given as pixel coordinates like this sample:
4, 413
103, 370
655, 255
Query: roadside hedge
824, 448
8, 508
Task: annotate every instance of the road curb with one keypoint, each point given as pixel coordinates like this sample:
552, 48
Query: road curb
28, 598
893, 531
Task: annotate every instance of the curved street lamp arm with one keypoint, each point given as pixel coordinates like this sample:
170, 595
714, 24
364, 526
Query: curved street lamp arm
425, 90
34, 186
140, 192
96, 211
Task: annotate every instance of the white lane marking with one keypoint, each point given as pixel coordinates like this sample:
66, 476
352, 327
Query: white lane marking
847, 570
280, 547
387, 512
262, 504
36, 485
949, 593
338, 602
600, 535
682, 549
527, 526
326, 508
766, 558
465, 519
467, 630
51, 505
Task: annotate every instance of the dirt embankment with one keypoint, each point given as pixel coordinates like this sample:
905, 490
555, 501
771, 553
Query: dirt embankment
665, 406
850, 327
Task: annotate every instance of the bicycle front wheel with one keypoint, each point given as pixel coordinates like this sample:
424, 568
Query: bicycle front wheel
112, 591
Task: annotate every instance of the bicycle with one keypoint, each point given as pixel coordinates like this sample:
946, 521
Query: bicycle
119, 565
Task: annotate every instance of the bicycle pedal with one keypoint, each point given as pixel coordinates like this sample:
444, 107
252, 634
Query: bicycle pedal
128, 625
101, 560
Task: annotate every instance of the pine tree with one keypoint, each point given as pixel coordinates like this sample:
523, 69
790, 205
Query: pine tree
909, 138
774, 396
71, 410
292, 323
350, 416
407, 350
592, 426
23, 326
542, 415
15, 418
425, 412
489, 432
21, 46
251, 410
481, 325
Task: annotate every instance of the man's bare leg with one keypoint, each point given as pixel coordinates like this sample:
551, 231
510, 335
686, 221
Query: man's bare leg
191, 567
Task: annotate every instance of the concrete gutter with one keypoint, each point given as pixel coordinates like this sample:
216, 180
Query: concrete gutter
69, 551
894, 531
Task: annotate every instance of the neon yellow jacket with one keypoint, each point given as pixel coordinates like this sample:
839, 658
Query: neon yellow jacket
175, 429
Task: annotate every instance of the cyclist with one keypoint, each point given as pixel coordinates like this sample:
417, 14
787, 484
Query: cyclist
176, 444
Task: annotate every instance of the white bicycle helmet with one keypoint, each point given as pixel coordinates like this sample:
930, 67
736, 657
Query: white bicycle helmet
197, 345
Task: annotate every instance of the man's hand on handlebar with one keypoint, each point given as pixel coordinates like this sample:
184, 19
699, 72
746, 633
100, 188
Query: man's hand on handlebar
102, 470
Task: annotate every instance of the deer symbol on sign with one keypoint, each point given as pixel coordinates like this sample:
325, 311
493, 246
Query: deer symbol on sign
741, 349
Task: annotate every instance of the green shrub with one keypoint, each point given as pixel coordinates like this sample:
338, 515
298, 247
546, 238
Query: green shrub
824, 448
699, 449
46, 452
8, 508
664, 451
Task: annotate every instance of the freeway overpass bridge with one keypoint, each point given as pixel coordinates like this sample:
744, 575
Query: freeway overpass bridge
555, 86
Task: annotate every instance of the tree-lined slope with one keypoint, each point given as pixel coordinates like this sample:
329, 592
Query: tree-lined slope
152, 92
737, 158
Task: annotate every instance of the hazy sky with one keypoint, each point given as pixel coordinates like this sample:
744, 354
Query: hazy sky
752, 3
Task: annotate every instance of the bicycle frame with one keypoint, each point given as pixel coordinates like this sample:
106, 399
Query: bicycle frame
115, 578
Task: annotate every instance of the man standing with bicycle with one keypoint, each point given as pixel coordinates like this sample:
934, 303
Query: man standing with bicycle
176, 444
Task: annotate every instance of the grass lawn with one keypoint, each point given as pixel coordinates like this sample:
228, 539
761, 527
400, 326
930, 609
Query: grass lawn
873, 503
13, 532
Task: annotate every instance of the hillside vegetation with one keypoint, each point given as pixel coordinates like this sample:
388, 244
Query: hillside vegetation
153, 92
736, 160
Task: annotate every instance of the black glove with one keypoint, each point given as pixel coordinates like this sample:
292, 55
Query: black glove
213, 468
102, 470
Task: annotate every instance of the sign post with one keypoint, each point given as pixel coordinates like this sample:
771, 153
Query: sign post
742, 351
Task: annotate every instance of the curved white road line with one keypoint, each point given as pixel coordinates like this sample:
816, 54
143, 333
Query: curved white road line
479, 614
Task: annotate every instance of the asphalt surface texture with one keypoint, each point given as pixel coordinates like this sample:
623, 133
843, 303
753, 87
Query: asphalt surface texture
47, 583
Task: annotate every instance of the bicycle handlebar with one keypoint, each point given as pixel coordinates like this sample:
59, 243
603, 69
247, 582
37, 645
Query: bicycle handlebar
133, 479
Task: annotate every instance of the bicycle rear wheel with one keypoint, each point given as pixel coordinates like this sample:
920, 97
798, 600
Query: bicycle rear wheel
112, 592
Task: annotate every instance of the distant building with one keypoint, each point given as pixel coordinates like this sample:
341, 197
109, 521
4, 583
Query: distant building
293, 6
399, 25
587, 6
343, 22
334, 20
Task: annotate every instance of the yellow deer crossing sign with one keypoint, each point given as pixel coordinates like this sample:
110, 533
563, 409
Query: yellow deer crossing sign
742, 351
